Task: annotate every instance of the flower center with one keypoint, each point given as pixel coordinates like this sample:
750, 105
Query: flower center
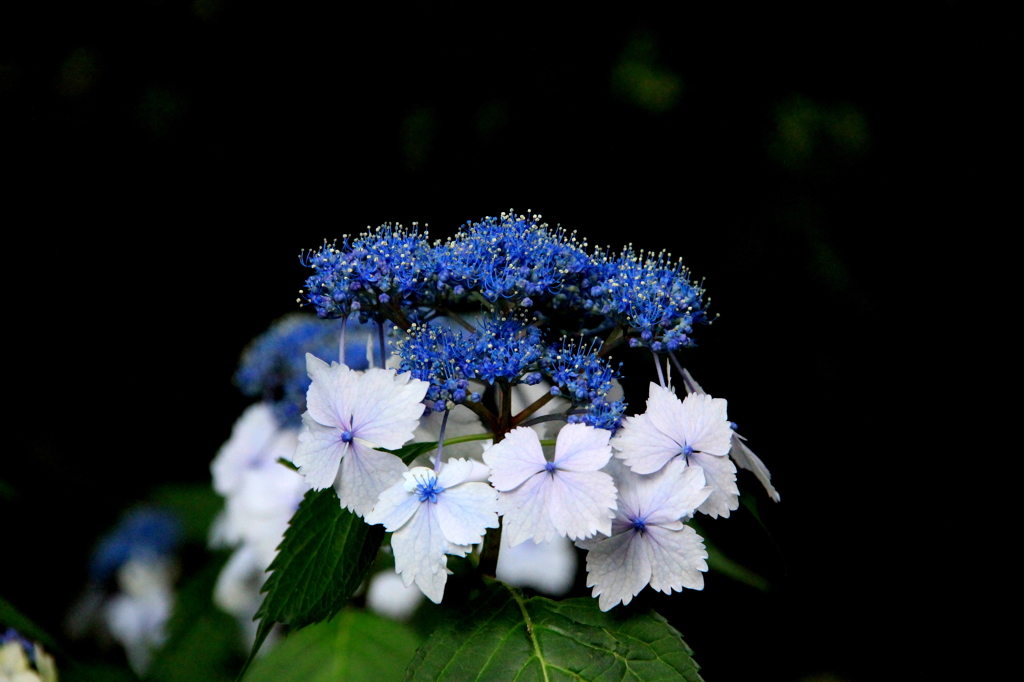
422, 482
687, 451
549, 467
346, 436
638, 525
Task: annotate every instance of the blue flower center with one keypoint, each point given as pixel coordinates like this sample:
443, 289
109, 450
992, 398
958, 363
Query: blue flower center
429, 491
346, 436
549, 467
687, 451
639, 525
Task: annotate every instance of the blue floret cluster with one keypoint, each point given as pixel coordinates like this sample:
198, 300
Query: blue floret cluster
273, 366
508, 300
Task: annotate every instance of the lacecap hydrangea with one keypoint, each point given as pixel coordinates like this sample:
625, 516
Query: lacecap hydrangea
510, 302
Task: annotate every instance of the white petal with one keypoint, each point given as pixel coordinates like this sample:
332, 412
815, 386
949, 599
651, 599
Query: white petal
582, 448
618, 568
250, 435
691, 385
706, 424
580, 503
515, 459
642, 446
720, 474
667, 415
419, 549
677, 559
674, 492
549, 567
525, 511
387, 407
330, 398
319, 453
746, 459
466, 511
454, 472
394, 507
364, 475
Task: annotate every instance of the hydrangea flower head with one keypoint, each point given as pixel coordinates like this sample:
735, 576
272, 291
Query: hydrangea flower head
695, 430
431, 514
567, 497
649, 543
349, 414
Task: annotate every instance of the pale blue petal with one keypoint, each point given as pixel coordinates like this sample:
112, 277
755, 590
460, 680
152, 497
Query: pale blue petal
581, 503
525, 511
387, 407
580, 447
330, 398
515, 458
394, 507
419, 549
618, 568
720, 475
319, 453
364, 475
466, 511
677, 558
642, 446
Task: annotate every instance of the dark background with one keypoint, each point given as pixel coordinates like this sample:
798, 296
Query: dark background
166, 162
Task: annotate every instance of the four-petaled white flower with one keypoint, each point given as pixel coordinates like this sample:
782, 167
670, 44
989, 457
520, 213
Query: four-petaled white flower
433, 514
649, 543
348, 414
568, 497
696, 430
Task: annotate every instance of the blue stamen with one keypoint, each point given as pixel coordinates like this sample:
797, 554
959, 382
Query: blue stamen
639, 525
346, 436
687, 451
429, 491
549, 467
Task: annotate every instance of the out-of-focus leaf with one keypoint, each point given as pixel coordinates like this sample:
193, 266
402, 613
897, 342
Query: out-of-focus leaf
357, 646
202, 641
323, 558
194, 505
505, 636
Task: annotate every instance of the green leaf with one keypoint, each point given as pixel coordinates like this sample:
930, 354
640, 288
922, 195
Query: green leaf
196, 505
505, 636
413, 450
322, 560
202, 641
357, 646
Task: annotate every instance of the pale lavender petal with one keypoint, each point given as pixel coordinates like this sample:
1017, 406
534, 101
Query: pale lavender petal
515, 459
387, 407
746, 459
642, 446
394, 507
319, 453
720, 474
525, 511
676, 491
549, 567
666, 413
466, 511
453, 472
691, 385
706, 424
581, 503
581, 447
677, 559
364, 475
330, 398
419, 549
618, 569
250, 435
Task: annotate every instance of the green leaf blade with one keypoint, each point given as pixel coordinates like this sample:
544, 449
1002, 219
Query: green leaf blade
508, 637
324, 557
357, 646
